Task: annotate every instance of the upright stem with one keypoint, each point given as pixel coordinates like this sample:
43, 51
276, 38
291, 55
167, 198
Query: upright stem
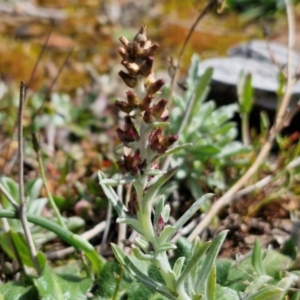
42, 173
22, 207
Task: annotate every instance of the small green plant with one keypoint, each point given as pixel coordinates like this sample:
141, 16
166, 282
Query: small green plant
212, 133
144, 144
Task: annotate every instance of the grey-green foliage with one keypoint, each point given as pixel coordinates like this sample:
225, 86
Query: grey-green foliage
48, 286
211, 131
34, 206
217, 279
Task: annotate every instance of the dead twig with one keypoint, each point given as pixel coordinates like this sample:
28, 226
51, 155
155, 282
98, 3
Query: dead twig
22, 207
209, 7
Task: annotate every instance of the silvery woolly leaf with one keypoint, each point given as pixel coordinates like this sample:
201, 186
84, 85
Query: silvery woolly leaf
112, 196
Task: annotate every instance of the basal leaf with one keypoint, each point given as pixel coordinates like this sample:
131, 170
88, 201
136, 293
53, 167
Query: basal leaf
61, 287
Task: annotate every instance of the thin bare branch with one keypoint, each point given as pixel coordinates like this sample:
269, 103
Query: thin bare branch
209, 7
48, 93
39, 58
22, 207
9, 197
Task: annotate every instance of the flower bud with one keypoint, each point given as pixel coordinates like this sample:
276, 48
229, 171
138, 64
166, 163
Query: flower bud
132, 98
123, 106
159, 227
145, 103
123, 53
158, 109
131, 163
154, 87
124, 136
141, 37
130, 129
136, 51
154, 139
125, 42
133, 205
128, 80
146, 68
167, 141
147, 117
133, 68
150, 51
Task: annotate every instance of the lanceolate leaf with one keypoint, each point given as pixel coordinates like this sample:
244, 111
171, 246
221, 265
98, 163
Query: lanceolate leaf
14, 243
211, 284
135, 272
154, 189
112, 196
193, 262
66, 235
189, 213
209, 262
257, 261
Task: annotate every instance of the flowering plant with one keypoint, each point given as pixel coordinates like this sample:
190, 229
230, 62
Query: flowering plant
144, 143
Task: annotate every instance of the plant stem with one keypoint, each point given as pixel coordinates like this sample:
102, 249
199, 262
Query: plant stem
42, 173
245, 129
119, 279
22, 206
209, 6
9, 197
73, 239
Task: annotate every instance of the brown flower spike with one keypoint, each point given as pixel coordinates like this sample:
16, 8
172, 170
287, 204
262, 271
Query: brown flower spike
145, 141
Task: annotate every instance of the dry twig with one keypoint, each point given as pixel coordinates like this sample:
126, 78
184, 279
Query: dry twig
22, 207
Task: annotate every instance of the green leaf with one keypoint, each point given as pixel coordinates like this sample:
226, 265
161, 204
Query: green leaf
178, 266
15, 246
62, 287
223, 114
137, 291
193, 71
264, 121
112, 196
107, 280
199, 250
167, 233
35, 206
225, 293
256, 284
150, 194
16, 290
190, 212
205, 150
166, 247
209, 262
223, 266
136, 273
267, 293
257, 261
233, 148
211, 284
245, 93
176, 149
296, 296
66, 235
134, 223
201, 91
33, 188
158, 208
12, 188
